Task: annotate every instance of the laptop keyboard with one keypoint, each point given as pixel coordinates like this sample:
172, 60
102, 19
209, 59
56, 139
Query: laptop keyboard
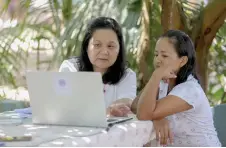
111, 120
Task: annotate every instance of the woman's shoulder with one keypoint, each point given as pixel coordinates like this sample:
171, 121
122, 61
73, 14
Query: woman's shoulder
129, 71
190, 83
190, 91
190, 87
129, 75
70, 64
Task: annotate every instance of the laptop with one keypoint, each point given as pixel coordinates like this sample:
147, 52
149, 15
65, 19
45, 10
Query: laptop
68, 98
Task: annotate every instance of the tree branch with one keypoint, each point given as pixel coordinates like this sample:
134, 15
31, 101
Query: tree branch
213, 19
144, 44
222, 97
205, 29
171, 16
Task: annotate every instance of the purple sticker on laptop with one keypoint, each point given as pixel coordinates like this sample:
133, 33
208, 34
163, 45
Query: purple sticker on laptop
62, 86
62, 82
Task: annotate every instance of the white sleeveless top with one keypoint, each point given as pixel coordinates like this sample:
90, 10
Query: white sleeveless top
194, 127
126, 88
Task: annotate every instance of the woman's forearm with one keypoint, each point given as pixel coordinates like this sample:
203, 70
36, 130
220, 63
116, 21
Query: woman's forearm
134, 104
147, 101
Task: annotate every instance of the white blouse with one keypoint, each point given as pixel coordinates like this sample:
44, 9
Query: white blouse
193, 127
126, 88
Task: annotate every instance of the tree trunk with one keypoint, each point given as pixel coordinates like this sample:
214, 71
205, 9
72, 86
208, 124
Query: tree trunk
144, 44
171, 17
212, 18
202, 33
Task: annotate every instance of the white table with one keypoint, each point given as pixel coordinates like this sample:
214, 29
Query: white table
130, 133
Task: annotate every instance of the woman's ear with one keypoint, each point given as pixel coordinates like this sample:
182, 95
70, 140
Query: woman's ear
184, 61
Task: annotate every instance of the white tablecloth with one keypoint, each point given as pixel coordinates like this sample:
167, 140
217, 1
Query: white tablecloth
130, 133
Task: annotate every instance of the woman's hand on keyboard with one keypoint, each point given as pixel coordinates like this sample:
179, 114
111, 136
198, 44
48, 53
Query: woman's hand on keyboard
119, 110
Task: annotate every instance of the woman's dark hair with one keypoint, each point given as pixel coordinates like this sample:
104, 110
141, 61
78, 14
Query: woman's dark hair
184, 47
117, 70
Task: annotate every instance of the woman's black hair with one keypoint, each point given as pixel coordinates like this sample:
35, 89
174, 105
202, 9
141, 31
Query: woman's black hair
184, 47
117, 70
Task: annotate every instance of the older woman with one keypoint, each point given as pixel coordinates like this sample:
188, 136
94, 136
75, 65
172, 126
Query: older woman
103, 51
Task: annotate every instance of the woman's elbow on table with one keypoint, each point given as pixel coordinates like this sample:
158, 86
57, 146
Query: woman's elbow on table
134, 105
144, 115
141, 113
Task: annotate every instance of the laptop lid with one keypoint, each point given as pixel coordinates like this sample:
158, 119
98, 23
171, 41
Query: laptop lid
67, 98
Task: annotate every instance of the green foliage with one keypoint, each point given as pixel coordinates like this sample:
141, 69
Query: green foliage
155, 22
59, 25
217, 68
9, 59
70, 41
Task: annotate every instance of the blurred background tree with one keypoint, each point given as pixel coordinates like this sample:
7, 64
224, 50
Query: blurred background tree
39, 34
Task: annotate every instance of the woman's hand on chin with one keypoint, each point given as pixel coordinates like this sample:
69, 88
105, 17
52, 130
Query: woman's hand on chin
165, 73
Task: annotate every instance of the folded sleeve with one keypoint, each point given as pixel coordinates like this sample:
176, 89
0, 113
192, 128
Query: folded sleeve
127, 87
189, 92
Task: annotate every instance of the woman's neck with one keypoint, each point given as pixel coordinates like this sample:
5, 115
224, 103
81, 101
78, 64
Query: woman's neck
101, 70
171, 85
